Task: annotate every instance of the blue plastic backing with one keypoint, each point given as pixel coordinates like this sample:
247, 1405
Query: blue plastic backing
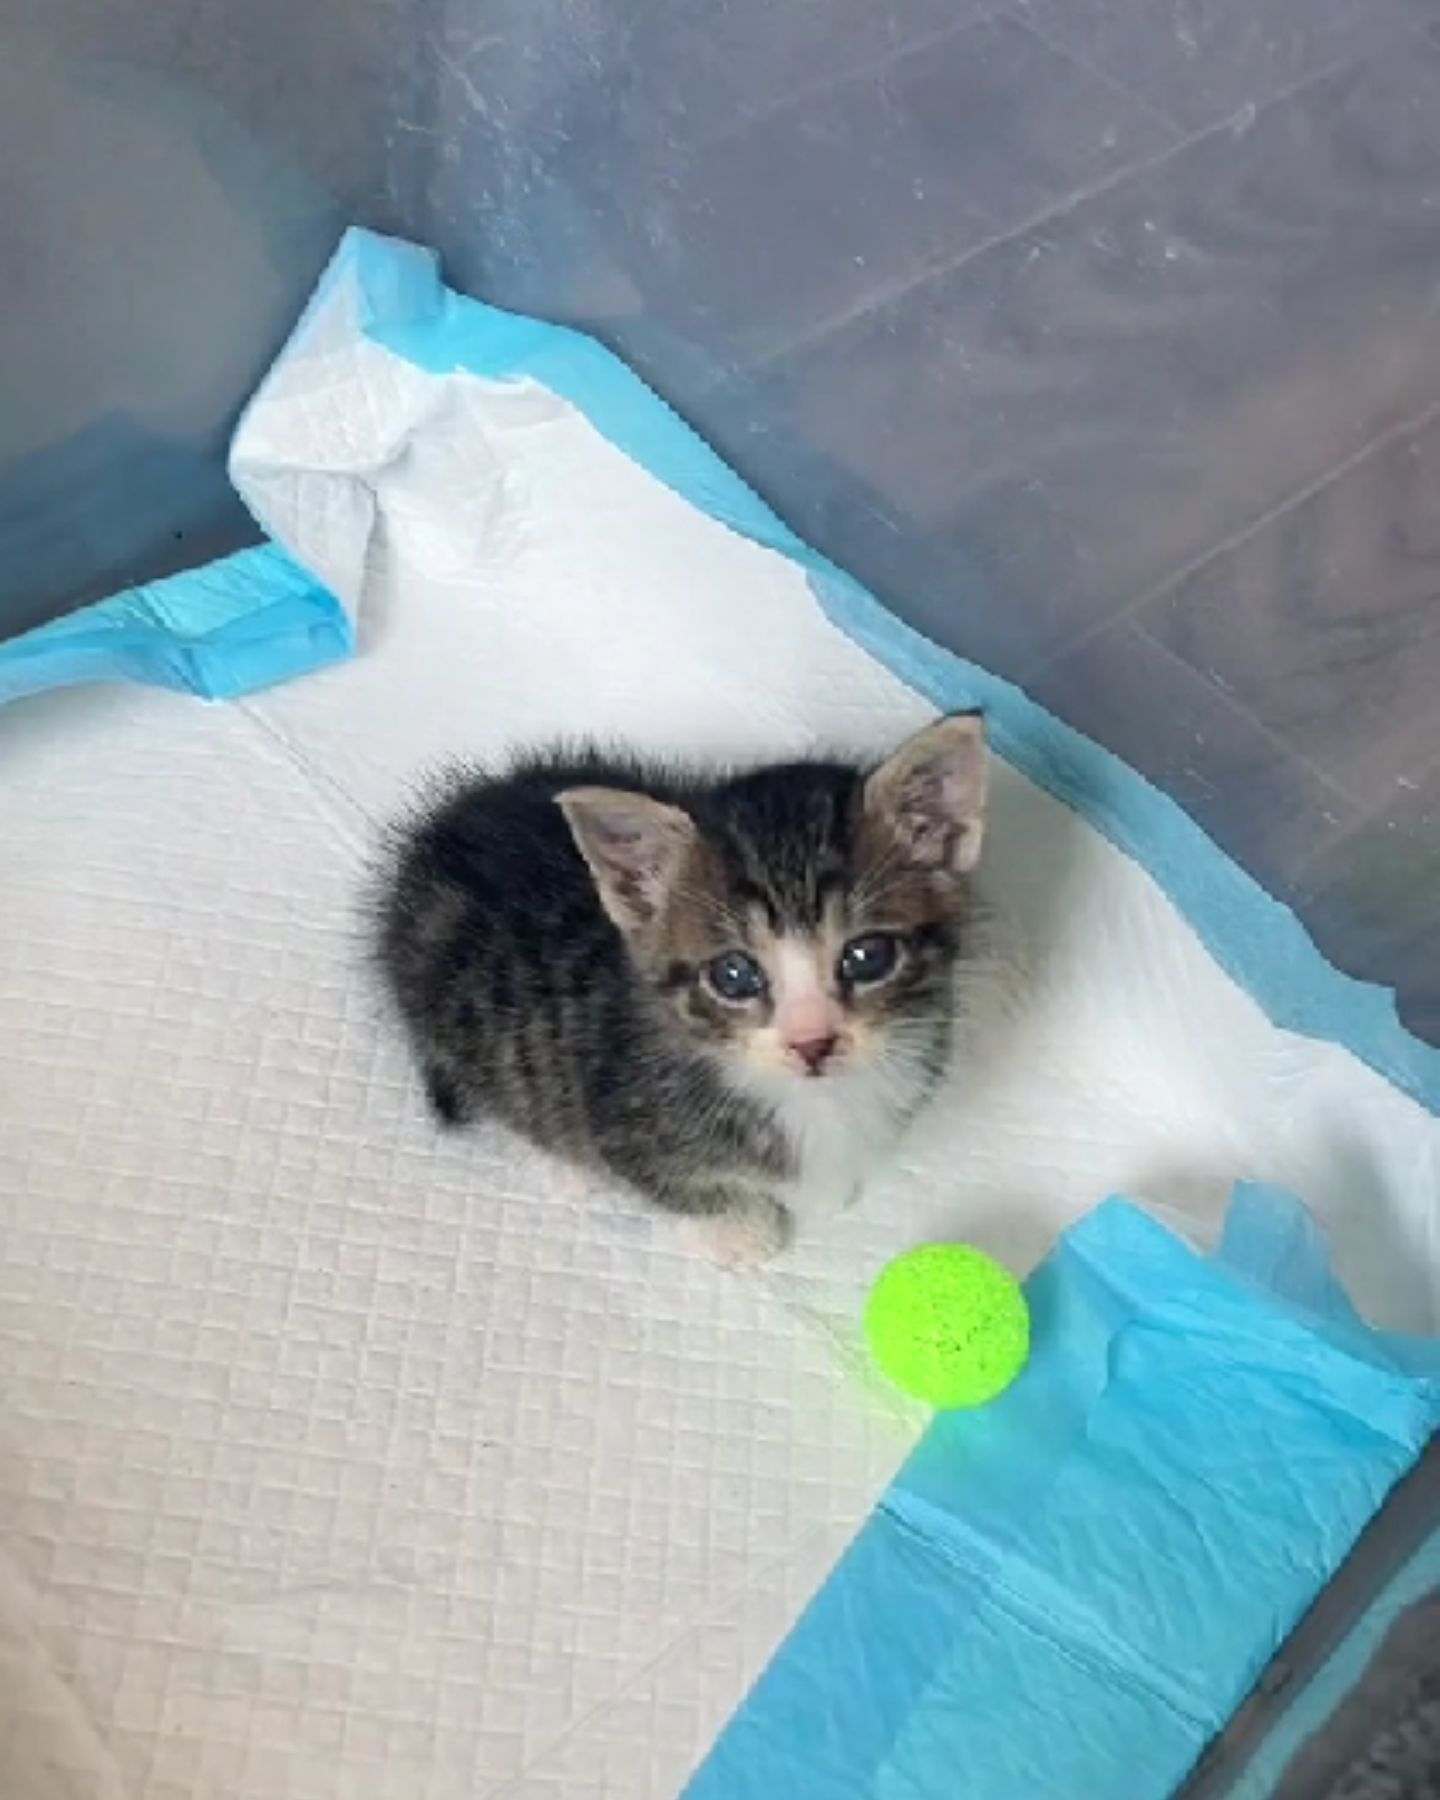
244, 622
1068, 1593
402, 304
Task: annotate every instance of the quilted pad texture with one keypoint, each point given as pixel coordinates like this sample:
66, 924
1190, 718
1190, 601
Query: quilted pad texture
337, 1460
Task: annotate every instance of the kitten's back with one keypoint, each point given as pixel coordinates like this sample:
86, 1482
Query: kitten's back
494, 948
514, 986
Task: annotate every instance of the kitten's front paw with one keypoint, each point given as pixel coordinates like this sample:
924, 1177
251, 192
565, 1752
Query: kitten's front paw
744, 1237
821, 1201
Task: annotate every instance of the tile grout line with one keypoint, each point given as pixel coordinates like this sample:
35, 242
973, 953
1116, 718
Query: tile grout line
1339, 828
1020, 14
1052, 212
1125, 613
1372, 813
819, 85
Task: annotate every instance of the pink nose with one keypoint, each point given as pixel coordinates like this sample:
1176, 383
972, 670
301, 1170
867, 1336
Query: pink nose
815, 1052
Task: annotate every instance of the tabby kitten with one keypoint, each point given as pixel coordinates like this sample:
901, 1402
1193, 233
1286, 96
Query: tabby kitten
729, 993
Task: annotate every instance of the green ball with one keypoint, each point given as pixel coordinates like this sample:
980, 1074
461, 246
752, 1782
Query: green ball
948, 1325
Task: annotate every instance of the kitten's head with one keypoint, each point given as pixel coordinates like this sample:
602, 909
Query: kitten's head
802, 919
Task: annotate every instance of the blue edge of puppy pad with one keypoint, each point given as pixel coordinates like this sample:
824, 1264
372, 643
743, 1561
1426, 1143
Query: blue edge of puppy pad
1069, 1592
1342, 1670
1087, 1576
245, 622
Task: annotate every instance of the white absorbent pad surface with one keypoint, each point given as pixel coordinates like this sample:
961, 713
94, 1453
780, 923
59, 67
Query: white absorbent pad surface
340, 1459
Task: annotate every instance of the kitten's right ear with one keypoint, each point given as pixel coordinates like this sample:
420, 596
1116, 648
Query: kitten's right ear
931, 794
634, 847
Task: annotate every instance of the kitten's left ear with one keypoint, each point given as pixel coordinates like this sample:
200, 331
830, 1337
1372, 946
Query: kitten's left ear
635, 847
931, 794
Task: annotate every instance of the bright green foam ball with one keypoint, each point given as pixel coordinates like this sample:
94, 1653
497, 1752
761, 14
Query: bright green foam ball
948, 1325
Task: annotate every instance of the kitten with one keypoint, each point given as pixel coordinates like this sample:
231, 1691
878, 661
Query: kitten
731, 994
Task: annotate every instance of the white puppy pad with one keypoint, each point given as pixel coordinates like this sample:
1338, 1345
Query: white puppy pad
340, 1459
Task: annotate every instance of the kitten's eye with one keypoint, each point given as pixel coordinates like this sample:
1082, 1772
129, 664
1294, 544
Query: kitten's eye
736, 976
869, 958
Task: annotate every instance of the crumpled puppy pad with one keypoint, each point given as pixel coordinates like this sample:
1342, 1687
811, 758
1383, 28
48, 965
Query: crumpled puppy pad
338, 1459
1069, 1592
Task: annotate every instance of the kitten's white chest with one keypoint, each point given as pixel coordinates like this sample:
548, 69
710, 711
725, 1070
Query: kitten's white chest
839, 1128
